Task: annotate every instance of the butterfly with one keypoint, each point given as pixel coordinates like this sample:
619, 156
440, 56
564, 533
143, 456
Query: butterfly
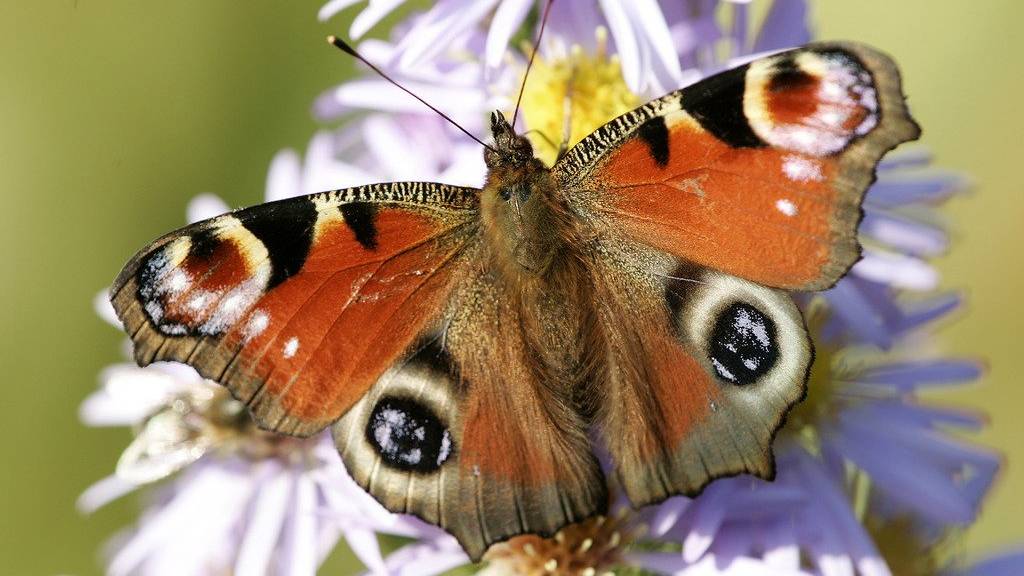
468, 348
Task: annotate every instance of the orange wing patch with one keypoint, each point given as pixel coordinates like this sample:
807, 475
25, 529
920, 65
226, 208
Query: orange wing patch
347, 315
759, 213
299, 306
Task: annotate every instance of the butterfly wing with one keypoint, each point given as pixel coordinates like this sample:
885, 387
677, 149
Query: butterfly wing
702, 367
757, 172
372, 308
510, 455
702, 205
298, 306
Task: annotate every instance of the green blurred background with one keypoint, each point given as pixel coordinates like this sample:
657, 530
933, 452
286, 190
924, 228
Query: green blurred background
113, 115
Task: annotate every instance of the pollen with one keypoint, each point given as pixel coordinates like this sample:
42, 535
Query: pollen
592, 547
588, 88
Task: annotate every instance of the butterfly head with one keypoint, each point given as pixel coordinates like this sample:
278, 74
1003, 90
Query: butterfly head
510, 150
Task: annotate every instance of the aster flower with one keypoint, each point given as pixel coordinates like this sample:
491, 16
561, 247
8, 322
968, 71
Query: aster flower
863, 408
265, 489
805, 522
900, 231
448, 53
641, 33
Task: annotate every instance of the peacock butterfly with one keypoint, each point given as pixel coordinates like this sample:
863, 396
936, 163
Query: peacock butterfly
463, 343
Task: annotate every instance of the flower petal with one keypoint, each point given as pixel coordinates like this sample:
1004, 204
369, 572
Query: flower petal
376, 11
103, 492
507, 19
284, 177
333, 7
270, 507
298, 555
204, 207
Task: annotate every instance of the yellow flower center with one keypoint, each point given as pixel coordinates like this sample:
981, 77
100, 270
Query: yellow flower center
588, 88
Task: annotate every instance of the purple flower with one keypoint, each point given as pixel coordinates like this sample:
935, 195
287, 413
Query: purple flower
642, 35
900, 231
799, 524
267, 503
661, 46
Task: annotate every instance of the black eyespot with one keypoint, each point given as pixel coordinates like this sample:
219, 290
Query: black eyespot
743, 345
408, 436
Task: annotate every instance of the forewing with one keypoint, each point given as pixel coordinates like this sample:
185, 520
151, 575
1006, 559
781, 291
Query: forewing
468, 434
701, 369
298, 306
757, 172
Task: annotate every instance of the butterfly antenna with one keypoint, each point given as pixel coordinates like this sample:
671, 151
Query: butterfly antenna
536, 46
344, 47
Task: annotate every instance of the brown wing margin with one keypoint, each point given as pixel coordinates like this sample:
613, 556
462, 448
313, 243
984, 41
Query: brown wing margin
298, 306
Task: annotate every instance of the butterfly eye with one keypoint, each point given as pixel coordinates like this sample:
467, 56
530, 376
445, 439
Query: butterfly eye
408, 436
743, 344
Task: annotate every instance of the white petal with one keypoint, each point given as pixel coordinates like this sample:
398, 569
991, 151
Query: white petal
101, 304
323, 171
205, 206
425, 559
389, 145
625, 43
708, 514
467, 168
444, 23
507, 19
284, 177
333, 7
363, 543
299, 556
780, 548
270, 507
103, 492
667, 515
462, 104
897, 269
207, 502
128, 395
651, 26
371, 15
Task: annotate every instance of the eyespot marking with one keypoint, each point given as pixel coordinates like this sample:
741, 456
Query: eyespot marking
408, 436
743, 345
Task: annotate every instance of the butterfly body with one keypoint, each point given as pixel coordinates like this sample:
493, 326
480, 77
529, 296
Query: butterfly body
465, 346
